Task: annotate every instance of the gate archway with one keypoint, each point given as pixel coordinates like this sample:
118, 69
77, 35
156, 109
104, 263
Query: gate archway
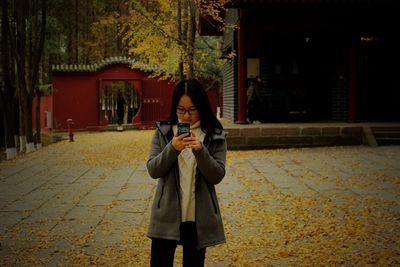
119, 101
80, 92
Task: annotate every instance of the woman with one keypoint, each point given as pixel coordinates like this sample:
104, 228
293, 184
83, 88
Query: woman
185, 209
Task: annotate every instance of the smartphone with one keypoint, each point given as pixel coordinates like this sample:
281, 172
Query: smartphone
183, 127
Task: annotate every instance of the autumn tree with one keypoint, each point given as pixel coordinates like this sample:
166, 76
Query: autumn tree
8, 95
87, 30
28, 25
104, 39
164, 34
159, 34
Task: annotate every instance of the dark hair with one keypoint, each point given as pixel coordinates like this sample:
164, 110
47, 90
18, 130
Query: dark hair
195, 90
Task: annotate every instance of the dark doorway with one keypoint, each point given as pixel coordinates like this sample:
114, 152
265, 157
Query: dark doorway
300, 72
378, 78
119, 102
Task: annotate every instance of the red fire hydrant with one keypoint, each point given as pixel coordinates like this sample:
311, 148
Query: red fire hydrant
70, 129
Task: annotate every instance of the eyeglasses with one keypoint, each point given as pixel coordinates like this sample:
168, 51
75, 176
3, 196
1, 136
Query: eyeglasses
182, 111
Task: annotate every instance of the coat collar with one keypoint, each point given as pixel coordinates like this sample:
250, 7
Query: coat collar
165, 127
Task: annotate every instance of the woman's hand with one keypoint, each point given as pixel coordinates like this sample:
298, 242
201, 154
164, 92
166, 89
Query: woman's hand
192, 141
177, 141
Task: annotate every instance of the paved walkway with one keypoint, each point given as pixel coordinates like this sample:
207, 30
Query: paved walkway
87, 203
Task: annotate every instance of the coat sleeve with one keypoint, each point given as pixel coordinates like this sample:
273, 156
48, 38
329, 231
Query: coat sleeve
212, 166
160, 159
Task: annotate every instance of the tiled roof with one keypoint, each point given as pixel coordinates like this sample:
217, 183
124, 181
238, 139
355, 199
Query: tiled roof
97, 66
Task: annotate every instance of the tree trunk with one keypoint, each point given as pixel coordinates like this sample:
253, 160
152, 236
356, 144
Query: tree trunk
21, 58
88, 21
34, 87
8, 121
185, 20
27, 105
6, 110
28, 60
21, 123
7, 90
179, 25
38, 139
191, 39
77, 31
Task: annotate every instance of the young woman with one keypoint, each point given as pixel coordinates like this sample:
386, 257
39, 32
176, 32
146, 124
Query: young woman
185, 210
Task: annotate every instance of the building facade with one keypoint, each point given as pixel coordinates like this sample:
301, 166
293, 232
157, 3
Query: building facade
318, 60
91, 96
109, 93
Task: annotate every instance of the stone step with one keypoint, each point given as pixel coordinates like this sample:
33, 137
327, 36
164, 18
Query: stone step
388, 141
385, 129
260, 136
386, 135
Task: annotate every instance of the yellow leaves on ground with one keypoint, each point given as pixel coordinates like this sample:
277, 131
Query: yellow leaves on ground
133, 250
115, 148
108, 149
265, 225
271, 228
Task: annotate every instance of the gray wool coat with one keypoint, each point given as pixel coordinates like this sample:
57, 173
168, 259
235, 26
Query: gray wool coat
162, 164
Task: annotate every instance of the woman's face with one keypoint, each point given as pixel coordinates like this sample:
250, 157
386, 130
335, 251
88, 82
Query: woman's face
186, 111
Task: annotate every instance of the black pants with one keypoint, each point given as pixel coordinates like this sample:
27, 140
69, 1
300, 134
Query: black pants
163, 251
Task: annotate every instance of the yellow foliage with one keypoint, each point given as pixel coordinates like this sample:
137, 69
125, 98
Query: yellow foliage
150, 35
264, 225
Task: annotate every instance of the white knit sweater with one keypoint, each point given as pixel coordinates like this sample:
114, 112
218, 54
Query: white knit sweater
187, 174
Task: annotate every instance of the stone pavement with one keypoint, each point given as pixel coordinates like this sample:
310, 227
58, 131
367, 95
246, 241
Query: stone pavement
87, 203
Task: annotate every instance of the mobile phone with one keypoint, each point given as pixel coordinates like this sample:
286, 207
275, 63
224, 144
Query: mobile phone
183, 127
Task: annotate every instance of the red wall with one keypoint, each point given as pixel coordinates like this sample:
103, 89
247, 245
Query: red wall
213, 97
76, 95
46, 105
156, 102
